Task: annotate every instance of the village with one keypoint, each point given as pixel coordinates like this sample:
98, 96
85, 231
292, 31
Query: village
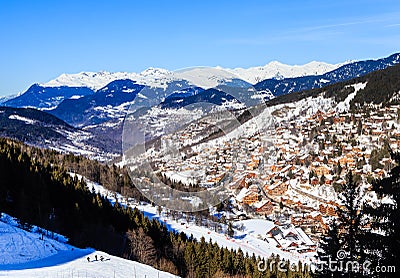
292, 174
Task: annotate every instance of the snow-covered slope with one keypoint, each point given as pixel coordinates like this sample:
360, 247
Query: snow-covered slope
247, 239
25, 254
206, 77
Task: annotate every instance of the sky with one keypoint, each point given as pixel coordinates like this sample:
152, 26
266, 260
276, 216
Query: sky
42, 39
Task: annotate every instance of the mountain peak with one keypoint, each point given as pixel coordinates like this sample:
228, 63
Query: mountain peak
278, 70
155, 71
93, 80
275, 63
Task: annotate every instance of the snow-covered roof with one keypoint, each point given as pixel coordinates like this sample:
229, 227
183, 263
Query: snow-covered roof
257, 226
260, 204
243, 193
304, 236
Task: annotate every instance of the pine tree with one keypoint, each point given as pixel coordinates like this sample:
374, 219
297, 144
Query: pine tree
384, 246
345, 232
330, 244
229, 231
190, 260
350, 217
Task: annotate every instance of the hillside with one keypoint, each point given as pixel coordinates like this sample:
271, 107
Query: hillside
382, 87
46, 98
39, 128
47, 196
109, 102
25, 253
31, 125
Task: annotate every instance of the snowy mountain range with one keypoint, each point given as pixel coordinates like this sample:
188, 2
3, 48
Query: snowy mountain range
345, 72
272, 79
156, 77
98, 102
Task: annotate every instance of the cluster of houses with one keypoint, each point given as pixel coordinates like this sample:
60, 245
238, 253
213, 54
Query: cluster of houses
290, 238
286, 237
311, 156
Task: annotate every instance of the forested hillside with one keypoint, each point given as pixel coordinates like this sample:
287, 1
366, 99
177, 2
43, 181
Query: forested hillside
36, 188
382, 87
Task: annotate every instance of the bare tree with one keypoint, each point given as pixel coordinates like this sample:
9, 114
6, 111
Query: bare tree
142, 247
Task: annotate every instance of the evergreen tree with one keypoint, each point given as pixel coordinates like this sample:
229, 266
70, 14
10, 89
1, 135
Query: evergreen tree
229, 231
329, 246
345, 233
384, 234
349, 218
142, 246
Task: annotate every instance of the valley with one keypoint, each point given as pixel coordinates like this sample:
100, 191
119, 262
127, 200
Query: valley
261, 172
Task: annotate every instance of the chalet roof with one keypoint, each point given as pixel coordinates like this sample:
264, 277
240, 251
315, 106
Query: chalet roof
253, 188
260, 204
306, 239
243, 193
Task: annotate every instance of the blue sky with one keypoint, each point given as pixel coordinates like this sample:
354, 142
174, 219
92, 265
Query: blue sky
42, 39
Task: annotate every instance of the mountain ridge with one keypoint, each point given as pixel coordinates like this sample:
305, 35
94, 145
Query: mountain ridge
343, 73
39, 128
50, 95
96, 80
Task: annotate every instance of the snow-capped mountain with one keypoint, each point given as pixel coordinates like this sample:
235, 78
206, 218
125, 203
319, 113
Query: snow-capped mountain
108, 102
208, 77
98, 102
277, 79
279, 70
115, 99
381, 87
348, 71
153, 77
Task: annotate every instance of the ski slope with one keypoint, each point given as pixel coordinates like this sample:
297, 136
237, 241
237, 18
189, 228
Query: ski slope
25, 254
